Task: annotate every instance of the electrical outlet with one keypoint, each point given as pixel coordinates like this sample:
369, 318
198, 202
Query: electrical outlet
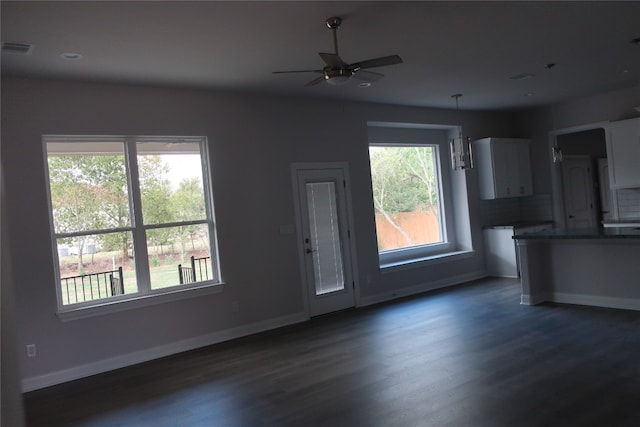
235, 307
31, 350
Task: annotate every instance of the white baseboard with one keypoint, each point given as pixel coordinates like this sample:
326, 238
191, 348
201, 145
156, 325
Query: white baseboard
597, 301
582, 299
100, 366
423, 287
105, 365
535, 299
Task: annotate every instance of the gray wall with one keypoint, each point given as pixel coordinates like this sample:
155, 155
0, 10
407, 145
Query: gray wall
614, 105
537, 123
253, 141
11, 407
590, 143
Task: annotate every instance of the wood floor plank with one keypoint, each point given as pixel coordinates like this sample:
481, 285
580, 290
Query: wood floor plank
464, 356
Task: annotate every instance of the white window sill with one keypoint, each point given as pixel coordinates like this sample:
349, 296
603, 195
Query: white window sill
390, 267
137, 301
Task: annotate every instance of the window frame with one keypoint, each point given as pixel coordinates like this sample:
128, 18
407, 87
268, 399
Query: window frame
411, 137
145, 294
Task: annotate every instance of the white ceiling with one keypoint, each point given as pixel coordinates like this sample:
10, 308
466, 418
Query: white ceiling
450, 47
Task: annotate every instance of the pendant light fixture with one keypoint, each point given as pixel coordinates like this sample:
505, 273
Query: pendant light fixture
461, 152
556, 152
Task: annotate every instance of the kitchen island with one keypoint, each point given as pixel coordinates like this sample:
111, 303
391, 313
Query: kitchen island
598, 267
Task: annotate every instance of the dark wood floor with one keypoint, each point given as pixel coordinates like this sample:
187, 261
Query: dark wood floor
467, 356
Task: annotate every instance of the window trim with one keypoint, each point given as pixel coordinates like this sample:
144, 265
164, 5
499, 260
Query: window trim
159, 296
410, 136
407, 264
145, 294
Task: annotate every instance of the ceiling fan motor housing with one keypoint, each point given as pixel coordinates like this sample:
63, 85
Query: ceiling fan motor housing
337, 76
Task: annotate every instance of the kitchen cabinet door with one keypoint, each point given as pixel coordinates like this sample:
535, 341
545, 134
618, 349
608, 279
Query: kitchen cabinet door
500, 252
502, 173
524, 185
501, 255
504, 167
623, 150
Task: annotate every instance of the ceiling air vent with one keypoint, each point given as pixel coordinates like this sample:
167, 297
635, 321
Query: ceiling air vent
17, 48
522, 76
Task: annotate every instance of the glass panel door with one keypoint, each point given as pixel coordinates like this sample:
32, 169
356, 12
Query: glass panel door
325, 237
322, 208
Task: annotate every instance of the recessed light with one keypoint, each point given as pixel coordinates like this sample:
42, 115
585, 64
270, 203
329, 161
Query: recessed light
70, 56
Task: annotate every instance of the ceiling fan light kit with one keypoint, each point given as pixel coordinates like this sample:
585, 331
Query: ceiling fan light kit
338, 72
338, 77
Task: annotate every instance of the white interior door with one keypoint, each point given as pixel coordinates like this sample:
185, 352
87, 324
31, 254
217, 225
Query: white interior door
578, 194
323, 222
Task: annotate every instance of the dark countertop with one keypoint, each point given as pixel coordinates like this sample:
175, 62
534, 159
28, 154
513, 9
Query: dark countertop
583, 233
519, 224
622, 223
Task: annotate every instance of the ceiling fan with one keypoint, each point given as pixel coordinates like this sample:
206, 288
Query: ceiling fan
337, 71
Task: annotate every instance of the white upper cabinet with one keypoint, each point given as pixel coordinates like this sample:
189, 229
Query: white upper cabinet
504, 167
623, 151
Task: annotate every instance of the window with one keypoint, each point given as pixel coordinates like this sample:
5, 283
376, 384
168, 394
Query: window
412, 214
130, 217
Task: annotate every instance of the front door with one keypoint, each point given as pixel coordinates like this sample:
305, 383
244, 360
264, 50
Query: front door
323, 223
578, 194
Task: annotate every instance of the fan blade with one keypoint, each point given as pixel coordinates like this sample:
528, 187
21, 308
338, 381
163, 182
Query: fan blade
333, 60
367, 76
315, 81
377, 62
297, 71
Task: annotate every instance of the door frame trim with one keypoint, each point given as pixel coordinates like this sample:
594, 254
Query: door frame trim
344, 166
556, 173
